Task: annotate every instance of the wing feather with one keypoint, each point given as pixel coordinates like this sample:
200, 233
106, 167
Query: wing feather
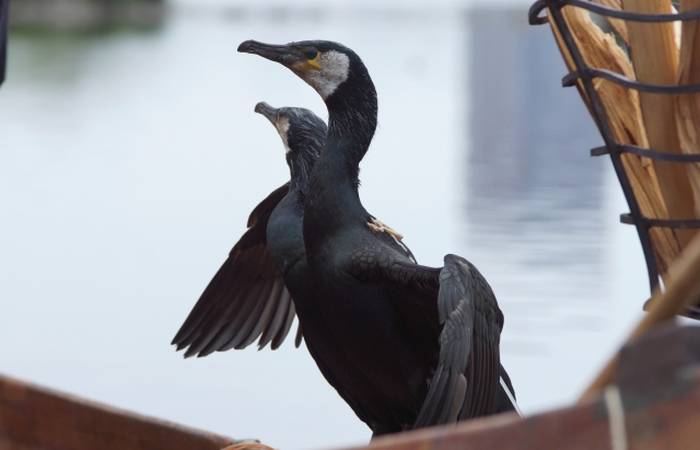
299, 337
466, 377
277, 320
253, 328
246, 299
286, 326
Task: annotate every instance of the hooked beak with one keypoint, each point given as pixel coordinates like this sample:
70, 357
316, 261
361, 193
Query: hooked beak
283, 54
266, 110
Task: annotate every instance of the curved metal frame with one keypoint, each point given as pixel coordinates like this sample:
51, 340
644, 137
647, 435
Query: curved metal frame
585, 75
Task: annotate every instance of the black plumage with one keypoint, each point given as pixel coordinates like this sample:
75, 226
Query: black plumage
406, 345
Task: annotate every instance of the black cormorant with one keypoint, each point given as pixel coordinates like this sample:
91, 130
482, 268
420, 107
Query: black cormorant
412, 345
249, 297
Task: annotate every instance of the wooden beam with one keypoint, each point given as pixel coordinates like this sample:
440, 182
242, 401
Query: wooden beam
655, 57
35, 418
623, 110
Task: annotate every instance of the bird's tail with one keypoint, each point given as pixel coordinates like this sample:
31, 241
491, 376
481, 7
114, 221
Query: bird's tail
510, 396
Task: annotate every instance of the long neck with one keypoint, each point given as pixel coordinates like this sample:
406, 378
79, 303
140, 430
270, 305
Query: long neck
333, 200
352, 120
300, 167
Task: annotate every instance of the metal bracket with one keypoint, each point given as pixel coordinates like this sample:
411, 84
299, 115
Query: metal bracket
543, 11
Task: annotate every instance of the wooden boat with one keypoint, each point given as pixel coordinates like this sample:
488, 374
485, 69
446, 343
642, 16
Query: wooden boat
654, 404
36, 418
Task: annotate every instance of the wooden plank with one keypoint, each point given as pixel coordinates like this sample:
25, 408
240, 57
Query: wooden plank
655, 57
34, 418
618, 25
574, 428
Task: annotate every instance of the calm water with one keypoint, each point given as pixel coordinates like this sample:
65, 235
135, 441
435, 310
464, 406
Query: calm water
129, 162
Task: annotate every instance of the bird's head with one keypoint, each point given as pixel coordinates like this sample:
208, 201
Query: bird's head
326, 66
303, 134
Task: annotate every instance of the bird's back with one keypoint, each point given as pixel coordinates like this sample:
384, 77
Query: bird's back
386, 353
285, 240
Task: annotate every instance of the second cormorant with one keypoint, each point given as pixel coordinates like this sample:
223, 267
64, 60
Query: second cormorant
249, 297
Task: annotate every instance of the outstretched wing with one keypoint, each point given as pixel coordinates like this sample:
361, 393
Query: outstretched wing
246, 299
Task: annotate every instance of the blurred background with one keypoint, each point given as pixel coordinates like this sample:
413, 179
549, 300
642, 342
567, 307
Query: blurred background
130, 158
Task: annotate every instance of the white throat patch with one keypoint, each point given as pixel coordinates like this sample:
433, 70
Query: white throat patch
282, 126
335, 67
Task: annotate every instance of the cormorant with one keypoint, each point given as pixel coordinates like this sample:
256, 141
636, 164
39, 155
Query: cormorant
245, 298
411, 345
249, 297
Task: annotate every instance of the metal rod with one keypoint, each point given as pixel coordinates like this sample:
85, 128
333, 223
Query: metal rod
536, 9
614, 77
662, 223
657, 155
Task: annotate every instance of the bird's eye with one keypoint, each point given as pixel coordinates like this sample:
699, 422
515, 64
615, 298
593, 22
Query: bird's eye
311, 54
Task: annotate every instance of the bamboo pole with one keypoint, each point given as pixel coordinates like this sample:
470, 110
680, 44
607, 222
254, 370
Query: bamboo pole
683, 290
655, 56
688, 105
